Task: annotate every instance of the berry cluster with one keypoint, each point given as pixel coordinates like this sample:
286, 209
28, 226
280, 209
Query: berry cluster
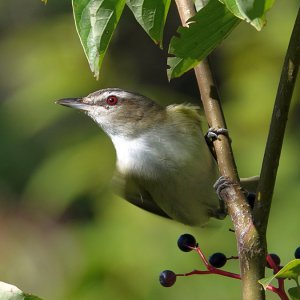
187, 243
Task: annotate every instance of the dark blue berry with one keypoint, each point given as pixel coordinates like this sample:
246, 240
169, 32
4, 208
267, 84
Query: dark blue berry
167, 278
251, 199
186, 242
297, 253
217, 260
275, 258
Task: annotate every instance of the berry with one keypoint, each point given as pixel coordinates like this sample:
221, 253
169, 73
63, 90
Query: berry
167, 278
297, 253
251, 199
186, 242
275, 258
217, 260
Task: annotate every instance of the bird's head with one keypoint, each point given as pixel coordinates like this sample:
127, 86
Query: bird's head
117, 111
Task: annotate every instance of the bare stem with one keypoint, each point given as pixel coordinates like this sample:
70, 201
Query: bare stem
251, 246
277, 129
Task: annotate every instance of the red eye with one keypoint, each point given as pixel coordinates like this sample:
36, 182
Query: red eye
112, 100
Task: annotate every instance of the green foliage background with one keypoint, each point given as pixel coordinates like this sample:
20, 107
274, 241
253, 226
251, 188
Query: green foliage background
64, 235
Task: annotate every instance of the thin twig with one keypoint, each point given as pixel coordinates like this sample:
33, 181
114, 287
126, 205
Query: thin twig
251, 246
277, 129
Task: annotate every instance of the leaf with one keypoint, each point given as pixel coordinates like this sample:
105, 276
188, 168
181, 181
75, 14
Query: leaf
96, 21
266, 281
151, 15
294, 293
11, 292
252, 11
200, 3
290, 271
206, 30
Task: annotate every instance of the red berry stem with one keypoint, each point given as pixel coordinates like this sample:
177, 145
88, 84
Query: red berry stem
195, 272
281, 293
281, 284
272, 263
275, 268
212, 270
187, 243
203, 258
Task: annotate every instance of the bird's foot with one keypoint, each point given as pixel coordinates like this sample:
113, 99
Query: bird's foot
221, 184
213, 133
211, 136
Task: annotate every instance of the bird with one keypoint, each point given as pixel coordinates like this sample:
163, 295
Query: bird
163, 162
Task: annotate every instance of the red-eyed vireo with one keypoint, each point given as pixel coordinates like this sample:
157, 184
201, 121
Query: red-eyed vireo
163, 162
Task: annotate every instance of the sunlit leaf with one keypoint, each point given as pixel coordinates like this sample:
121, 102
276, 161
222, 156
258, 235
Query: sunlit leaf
252, 11
200, 3
11, 292
266, 281
96, 21
206, 30
290, 271
151, 15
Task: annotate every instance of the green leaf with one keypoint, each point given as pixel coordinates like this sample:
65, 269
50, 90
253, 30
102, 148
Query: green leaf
200, 3
151, 15
96, 21
290, 271
11, 292
206, 30
266, 281
294, 293
252, 11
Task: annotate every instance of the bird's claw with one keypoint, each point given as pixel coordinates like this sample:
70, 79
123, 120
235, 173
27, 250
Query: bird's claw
212, 133
222, 183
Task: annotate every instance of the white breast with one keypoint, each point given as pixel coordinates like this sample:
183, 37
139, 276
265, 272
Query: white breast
180, 168
150, 153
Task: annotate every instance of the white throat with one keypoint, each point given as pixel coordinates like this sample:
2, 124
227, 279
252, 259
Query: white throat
157, 152
134, 155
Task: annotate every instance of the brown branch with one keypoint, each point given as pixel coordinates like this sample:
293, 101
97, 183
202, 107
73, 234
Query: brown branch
277, 129
251, 246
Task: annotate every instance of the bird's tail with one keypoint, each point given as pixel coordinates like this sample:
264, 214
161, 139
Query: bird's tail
250, 183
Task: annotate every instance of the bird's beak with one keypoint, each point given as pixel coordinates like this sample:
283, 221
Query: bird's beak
74, 103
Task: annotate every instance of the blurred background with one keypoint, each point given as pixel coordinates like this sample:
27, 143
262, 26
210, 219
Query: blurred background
63, 233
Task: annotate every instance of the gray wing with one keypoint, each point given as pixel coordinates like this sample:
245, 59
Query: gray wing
136, 194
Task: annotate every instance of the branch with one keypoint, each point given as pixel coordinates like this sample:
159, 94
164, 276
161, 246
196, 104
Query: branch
277, 128
251, 246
